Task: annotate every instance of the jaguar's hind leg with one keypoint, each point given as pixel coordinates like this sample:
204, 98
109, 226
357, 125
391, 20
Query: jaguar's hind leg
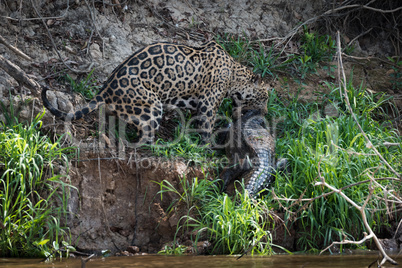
146, 120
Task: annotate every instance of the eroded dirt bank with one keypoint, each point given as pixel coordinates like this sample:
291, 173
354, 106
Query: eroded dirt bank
117, 204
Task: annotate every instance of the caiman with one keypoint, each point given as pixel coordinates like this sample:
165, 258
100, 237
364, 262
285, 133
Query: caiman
250, 147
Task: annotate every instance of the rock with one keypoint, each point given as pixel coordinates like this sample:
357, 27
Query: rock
202, 247
133, 249
60, 100
95, 52
389, 244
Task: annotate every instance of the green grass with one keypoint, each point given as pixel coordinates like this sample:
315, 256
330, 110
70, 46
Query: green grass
315, 50
33, 200
312, 139
335, 146
187, 147
233, 225
265, 62
87, 87
396, 75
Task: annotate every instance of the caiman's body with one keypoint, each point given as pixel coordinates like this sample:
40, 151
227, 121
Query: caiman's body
250, 147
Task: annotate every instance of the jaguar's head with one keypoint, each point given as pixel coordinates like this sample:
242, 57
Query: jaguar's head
253, 96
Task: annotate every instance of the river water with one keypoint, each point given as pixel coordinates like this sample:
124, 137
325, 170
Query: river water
277, 261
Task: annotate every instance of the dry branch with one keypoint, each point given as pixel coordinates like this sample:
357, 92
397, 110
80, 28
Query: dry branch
371, 234
310, 200
54, 44
364, 218
18, 74
345, 94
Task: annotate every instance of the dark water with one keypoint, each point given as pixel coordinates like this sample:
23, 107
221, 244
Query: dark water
277, 261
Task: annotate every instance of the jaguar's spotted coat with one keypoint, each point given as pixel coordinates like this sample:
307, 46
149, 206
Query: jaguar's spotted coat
161, 74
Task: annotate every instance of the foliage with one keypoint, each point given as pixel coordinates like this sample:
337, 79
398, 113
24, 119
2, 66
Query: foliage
186, 146
30, 220
243, 50
173, 250
315, 49
396, 75
232, 224
87, 87
312, 140
239, 48
318, 47
266, 62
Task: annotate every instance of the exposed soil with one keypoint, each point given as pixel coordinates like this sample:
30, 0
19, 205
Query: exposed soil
117, 204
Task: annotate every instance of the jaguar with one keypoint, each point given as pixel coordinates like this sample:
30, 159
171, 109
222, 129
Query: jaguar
164, 75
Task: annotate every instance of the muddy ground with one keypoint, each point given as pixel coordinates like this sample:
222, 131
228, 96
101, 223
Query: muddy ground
117, 205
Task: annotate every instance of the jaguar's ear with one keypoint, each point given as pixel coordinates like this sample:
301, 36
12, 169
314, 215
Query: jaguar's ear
257, 79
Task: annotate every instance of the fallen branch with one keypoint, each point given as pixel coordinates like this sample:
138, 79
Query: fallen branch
347, 102
18, 74
85, 260
391, 144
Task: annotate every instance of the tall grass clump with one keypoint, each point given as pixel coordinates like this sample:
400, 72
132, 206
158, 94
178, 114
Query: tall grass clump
233, 225
33, 199
334, 145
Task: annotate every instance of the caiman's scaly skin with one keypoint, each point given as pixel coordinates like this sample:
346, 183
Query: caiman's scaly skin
251, 150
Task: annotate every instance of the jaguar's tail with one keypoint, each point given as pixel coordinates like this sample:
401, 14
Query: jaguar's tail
91, 106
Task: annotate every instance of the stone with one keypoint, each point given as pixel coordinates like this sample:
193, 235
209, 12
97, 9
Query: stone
133, 249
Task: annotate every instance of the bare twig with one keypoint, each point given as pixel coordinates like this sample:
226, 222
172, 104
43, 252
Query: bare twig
345, 94
360, 35
371, 234
310, 200
326, 13
391, 144
14, 49
40, 18
54, 44
85, 260
397, 229
93, 19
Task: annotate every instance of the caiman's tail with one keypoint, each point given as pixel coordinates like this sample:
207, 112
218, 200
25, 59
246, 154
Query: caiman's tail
90, 107
263, 174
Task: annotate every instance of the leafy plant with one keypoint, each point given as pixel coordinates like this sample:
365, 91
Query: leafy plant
318, 47
29, 217
396, 75
87, 87
186, 146
173, 250
315, 49
263, 62
239, 48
